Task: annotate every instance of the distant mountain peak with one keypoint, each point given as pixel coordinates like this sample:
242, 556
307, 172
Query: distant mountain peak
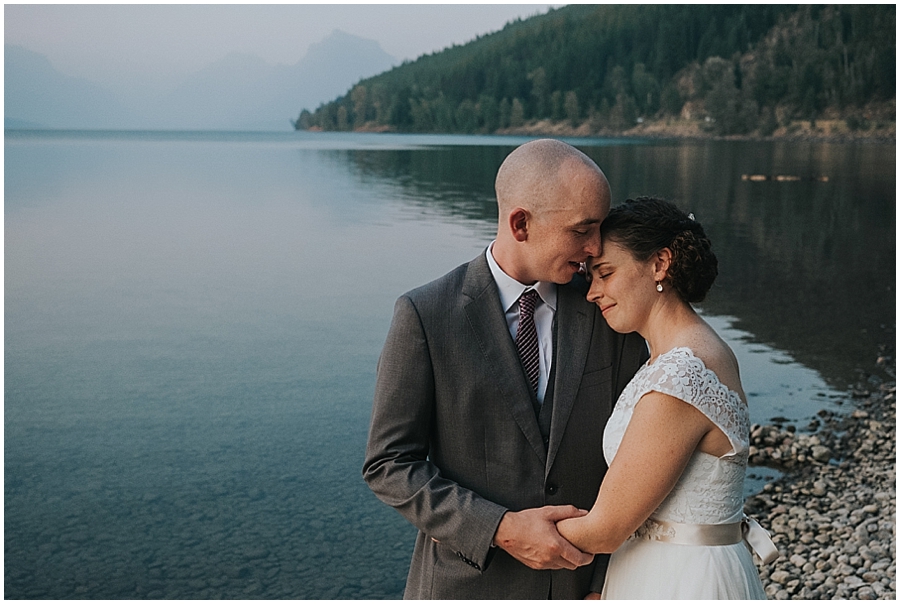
339, 45
338, 36
238, 91
242, 91
20, 58
37, 95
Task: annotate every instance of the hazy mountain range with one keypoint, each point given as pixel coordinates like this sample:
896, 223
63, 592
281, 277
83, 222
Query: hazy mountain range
239, 92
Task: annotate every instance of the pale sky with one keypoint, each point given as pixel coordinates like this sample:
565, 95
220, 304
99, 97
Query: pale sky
156, 42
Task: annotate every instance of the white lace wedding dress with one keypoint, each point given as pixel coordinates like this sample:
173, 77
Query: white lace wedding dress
709, 492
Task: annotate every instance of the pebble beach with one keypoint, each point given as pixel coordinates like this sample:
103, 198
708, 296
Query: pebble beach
832, 513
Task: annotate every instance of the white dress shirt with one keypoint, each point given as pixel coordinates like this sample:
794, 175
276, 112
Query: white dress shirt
510, 291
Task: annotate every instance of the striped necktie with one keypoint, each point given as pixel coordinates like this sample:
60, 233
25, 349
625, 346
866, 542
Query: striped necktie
526, 337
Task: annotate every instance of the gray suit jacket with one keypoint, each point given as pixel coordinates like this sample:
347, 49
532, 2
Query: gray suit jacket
454, 441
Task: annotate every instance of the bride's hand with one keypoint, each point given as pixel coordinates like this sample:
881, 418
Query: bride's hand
593, 596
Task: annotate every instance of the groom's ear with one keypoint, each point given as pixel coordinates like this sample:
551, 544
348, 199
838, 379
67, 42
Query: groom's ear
661, 263
518, 223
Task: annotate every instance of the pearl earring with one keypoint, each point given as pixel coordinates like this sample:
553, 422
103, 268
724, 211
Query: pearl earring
659, 286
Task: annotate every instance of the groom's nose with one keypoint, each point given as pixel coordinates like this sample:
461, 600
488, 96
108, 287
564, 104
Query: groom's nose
593, 247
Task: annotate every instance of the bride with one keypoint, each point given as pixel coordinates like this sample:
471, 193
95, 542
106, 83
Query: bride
670, 506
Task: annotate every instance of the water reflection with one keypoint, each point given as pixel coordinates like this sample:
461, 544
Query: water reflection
193, 323
806, 266
457, 181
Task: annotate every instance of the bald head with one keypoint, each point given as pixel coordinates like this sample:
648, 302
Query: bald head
532, 175
552, 199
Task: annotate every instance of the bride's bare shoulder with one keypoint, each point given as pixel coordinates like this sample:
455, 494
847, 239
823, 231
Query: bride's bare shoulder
717, 355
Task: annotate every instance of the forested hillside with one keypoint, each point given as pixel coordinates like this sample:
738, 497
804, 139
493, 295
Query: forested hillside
605, 68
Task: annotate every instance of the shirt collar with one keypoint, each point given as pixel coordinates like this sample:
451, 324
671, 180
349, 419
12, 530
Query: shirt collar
510, 289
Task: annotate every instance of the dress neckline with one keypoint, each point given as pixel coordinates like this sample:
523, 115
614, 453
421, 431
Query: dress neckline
704, 369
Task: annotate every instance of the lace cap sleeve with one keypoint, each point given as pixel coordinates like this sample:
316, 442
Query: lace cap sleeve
682, 375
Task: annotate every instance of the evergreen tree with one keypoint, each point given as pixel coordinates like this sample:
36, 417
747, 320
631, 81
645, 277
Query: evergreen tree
609, 64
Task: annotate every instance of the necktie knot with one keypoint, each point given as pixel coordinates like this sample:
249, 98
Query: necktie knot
527, 302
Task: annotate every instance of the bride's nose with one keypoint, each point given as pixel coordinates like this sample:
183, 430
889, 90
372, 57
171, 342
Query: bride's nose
595, 292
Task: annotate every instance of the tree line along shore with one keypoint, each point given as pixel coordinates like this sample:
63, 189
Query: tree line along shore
830, 129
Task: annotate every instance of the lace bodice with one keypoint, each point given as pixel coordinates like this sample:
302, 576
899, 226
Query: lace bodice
710, 491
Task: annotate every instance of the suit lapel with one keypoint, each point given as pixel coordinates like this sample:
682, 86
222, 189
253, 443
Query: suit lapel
488, 323
574, 327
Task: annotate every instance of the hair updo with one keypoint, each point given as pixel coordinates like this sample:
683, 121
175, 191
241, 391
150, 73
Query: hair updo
645, 225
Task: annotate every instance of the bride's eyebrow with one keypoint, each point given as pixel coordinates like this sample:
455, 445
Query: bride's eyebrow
599, 265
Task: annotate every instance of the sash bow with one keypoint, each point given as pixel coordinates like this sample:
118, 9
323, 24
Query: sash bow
748, 530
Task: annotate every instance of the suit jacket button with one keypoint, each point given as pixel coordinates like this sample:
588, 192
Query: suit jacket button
552, 489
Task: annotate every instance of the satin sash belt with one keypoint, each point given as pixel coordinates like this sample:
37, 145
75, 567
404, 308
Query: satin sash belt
747, 529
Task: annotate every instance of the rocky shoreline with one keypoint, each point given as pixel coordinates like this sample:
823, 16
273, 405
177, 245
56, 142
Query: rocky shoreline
832, 514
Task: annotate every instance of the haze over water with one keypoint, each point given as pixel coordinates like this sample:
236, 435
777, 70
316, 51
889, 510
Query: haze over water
193, 322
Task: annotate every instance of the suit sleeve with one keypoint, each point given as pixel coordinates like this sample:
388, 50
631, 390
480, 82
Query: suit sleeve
397, 468
633, 355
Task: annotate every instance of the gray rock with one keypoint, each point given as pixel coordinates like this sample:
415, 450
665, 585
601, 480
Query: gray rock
865, 593
853, 580
781, 577
820, 453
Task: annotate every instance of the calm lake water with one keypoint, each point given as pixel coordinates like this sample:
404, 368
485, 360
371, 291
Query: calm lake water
193, 322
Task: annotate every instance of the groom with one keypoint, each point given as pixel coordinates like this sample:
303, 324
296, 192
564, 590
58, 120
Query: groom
488, 417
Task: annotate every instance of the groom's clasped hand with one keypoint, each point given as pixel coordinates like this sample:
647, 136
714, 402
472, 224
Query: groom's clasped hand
531, 537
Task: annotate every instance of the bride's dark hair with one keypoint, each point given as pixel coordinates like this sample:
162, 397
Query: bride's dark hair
646, 225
